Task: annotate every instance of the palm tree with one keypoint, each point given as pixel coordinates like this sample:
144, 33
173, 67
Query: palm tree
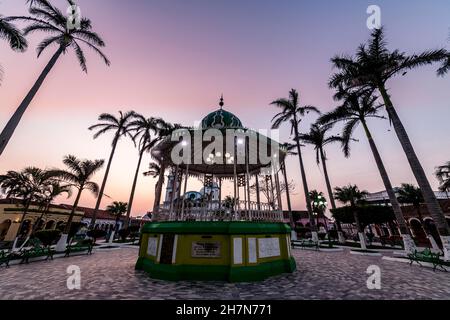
52, 191
119, 126
358, 108
443, 175
10, 33
118, 209
49, 19
79, 174
293, 113
29, 184
319, 205
317, 137
352, 195
373, 66
157, 168
145, 136
410, 194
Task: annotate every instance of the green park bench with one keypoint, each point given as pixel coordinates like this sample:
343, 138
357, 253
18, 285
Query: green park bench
81, 246
427, 256
5, 257
305, 244
36, 252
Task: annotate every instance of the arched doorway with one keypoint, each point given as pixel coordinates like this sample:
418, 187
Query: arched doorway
431, 228
60, 226
419, 233
26, 228
40, 225
49, 225
4, 228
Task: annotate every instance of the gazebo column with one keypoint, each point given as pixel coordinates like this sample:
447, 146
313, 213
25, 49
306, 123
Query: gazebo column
184, 192
178, 184
258, 197
247, 178
158, 191
220, 193
236, 188
172, 196
280, 205
272, 190
245, 193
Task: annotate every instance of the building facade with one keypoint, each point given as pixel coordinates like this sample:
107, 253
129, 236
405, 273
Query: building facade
11, 212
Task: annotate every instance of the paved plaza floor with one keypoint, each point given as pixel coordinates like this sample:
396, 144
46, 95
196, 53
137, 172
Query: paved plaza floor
320, 275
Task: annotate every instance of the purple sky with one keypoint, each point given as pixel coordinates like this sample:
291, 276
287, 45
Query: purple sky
173, 59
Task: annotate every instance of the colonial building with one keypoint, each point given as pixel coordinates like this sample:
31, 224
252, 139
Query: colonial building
418, 219
11, 211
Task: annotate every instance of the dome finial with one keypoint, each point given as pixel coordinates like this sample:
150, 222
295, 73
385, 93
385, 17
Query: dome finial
221, 104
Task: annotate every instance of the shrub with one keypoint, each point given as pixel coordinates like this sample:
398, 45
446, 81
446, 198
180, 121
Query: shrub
48, 237
96, 234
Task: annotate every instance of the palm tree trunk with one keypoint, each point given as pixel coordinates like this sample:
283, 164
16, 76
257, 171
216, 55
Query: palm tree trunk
44, 212
362, 237
62, 242
72, 212
315, 236
12, 124
105, 179
404, 230
158, 190
430, 199
288, 196
330, 194
22, 220
133, 189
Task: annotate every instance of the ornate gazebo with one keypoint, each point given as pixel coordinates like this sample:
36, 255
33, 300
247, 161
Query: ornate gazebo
237, 237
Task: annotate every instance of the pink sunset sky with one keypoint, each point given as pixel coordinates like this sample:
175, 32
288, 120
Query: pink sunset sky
173, 59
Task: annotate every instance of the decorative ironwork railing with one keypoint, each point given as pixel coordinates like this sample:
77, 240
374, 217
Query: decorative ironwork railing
220, 211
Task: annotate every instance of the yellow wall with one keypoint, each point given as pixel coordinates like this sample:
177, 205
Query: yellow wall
184, 249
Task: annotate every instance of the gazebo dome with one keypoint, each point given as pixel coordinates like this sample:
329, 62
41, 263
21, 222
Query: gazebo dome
221, 119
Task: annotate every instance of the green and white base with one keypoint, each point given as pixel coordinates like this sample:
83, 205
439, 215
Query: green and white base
219, 251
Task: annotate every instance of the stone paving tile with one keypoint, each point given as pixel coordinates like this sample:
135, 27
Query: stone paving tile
111, 275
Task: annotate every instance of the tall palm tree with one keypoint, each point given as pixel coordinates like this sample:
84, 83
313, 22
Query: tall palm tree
443, 175
373, 66
318, 138
293, 113
13, 36
48, 19
118, 209
357, 108
78, 174
352, 195
410, 194
120, 127
146, 137
29, 184
52, 191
